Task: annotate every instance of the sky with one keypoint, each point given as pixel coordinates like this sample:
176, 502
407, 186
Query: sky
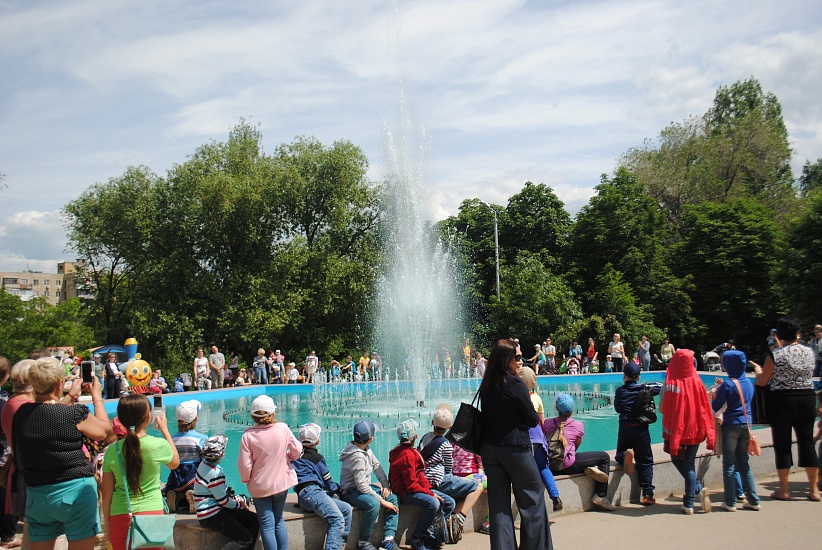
503, 91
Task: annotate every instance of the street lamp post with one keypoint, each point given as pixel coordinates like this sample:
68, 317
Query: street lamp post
496, 242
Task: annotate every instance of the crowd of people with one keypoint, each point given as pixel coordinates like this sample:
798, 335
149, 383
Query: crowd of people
69, 470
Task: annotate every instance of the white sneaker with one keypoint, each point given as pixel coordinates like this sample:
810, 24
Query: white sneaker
705, 498
597, 474
687, 511
754, 507
603, 502
727, 508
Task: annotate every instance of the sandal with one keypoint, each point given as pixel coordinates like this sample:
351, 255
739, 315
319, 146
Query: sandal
775, 496
815, 497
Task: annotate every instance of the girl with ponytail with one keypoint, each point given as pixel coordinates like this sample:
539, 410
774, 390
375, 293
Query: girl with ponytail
142, 456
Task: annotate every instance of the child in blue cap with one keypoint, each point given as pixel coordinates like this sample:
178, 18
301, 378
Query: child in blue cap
358, 463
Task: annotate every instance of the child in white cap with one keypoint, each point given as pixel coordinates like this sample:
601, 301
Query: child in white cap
217, 506
264, 464
189, 442
315, 488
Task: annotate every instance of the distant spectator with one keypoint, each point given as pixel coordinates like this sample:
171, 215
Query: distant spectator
616, 349
201, 377
158, 384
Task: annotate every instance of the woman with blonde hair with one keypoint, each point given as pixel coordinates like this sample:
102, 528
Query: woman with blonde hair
48, 436
266, 452
141, 456
616, 350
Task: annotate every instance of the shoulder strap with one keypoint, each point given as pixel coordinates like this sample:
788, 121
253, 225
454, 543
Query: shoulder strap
432, 447
742, 400
119, 449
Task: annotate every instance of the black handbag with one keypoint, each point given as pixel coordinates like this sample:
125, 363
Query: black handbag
760, 405
469, 427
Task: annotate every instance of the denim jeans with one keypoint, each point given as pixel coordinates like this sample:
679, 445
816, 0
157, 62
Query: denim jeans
336, 512
370, 506
260, 375
735, 460
457, 487
241, 526
272, 526
541, 457
686, 464
429, 506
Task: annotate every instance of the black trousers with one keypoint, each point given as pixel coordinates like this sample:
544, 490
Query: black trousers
241, 526
793, 409
600, 459
508, 467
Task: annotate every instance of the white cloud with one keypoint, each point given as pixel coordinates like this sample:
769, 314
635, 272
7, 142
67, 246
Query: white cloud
508, 90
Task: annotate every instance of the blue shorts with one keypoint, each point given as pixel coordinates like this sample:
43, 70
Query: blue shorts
69, 508
457, 487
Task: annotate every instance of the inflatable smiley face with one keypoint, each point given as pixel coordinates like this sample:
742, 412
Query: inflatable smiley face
138, 372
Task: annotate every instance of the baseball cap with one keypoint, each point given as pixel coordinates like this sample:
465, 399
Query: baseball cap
528, 376
263, 406
187, 410
407, 430
214, 447
565, 403
631, 369
309, 433
443, 418
364, 430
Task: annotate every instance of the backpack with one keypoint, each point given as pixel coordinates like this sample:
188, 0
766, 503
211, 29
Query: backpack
556, 448
644, 407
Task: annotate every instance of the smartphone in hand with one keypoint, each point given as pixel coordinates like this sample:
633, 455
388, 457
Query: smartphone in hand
88, 373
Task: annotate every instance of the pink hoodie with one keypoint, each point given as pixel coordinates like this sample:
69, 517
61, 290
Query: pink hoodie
266, 452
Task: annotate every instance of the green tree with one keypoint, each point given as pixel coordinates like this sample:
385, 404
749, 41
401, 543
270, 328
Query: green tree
811, 178
731, 250
36, 324
621, 237
109, 226
739, 148
537, 222
801, 265
534, 302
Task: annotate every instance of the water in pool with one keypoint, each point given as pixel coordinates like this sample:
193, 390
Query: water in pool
337, 408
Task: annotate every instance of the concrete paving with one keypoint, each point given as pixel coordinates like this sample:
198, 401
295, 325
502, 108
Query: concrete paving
796, 524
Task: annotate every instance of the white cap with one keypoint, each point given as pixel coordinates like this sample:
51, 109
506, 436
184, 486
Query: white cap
443, 418
263, 406
187, 410
309, 434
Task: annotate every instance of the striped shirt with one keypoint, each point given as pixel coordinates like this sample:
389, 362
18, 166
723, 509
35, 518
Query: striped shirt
210, 491
439, 463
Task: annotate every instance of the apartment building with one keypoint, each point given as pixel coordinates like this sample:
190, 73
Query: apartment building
67, 283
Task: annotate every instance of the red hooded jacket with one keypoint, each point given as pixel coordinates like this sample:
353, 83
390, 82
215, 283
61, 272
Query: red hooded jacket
406, 471
687, 418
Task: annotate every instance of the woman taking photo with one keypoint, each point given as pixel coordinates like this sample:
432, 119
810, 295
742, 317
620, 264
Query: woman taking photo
142, 455
48, 439
788, 370
507, 456
266, 452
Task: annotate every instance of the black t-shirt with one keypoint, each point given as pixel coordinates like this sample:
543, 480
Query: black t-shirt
48, 443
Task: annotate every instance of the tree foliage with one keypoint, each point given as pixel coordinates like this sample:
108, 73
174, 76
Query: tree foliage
36, 324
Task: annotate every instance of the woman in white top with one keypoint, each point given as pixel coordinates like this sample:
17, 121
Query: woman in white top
201, 378
617, 352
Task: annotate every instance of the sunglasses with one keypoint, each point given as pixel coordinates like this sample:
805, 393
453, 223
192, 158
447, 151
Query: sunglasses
518, 357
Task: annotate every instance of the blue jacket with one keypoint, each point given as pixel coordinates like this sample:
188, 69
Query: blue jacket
312, 469
625, 399
734, 362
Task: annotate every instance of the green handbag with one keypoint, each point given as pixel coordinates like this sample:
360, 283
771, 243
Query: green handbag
147, 531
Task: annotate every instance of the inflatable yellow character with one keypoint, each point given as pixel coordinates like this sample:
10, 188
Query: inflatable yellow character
138, 372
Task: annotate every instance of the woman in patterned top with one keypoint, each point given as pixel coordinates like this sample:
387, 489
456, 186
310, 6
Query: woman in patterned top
48, 440
788, 370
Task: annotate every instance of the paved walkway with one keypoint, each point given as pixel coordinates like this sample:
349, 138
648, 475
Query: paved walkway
796, 524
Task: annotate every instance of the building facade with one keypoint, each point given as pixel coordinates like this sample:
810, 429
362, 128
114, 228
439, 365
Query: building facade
66, 284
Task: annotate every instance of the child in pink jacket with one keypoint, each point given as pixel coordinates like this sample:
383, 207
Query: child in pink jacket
266, 452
